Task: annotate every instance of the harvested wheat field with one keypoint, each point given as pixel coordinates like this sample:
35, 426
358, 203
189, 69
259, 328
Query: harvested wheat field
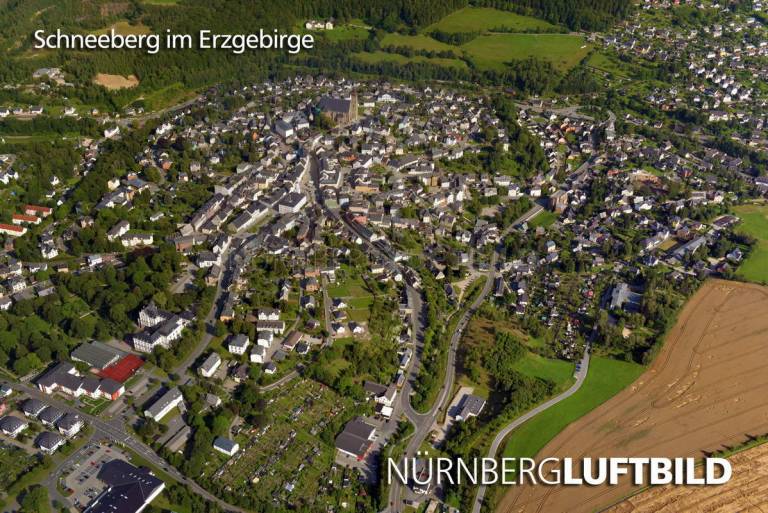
747, 491
114, 82
707, 389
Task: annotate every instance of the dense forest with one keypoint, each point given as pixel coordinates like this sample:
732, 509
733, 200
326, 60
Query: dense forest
192, 69
574, 14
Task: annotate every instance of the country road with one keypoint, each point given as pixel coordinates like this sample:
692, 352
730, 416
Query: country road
501, 435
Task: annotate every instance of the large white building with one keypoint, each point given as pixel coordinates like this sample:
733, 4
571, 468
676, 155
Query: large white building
162, 328
65, 378
160, 408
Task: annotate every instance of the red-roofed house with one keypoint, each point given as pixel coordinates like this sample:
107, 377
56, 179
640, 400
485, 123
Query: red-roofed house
23, 218
12, 230
32, 210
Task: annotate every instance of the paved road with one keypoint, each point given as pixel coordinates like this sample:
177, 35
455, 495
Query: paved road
53, 478
501, 435
228, 258
210, 327
280, 382
114, 430
424, 422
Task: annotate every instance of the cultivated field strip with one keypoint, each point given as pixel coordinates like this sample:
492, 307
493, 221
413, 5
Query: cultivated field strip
747, 491
704, 391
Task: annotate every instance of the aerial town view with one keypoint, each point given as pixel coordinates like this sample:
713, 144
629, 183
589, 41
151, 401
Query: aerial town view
270, 278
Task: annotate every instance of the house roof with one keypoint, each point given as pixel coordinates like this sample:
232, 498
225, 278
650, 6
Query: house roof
49, 440
50, 415
374, 388
68, 421
129, 488
9, 424
355, 439
224, 444
110, 386
167, 398
210, 362
330, 104
239, 340
33, 406
95, 354
471, 405
352, 444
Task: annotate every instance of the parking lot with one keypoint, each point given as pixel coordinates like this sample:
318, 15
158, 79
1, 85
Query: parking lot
81, 477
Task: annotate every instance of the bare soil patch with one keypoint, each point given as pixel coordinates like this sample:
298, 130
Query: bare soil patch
705, 391
114, 82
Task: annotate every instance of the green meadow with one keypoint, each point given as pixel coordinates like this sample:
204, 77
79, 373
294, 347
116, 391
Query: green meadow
493, 51
606, 378
754, 222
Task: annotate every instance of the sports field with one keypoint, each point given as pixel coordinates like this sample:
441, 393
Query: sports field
484, 19
755, 223
704, 392
113, 82
493, 51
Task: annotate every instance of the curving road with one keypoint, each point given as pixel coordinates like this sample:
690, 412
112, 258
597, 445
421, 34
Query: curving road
501, 435
424, 422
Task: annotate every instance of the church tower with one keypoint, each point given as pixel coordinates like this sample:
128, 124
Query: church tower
352, 114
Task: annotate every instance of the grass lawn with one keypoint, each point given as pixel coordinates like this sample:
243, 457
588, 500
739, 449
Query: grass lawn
605, 379
349, 289
160, 2
481, 19
754, 222
544, 218
167, 96
165, 504
557, 371
493, 51
419, 42
376, 57
355, 29
95, 406
608, 64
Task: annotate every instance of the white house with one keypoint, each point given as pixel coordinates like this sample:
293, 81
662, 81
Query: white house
258, 353
238, 344
210, 365
226, 446
264, 338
